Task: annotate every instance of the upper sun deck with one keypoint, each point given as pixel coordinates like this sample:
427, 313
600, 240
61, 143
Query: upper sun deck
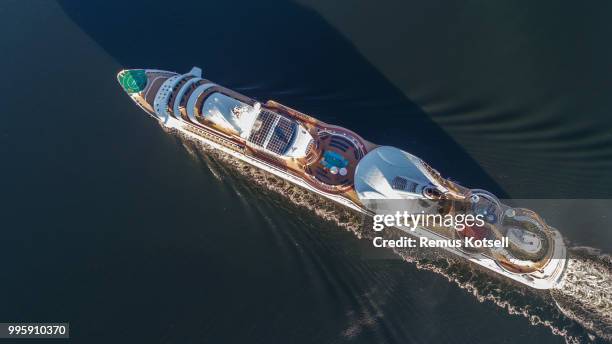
273, 132
259, 127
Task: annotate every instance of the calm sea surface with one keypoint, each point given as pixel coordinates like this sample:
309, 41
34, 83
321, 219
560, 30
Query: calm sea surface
109, 223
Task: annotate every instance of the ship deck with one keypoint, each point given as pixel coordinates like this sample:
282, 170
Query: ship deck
328, 168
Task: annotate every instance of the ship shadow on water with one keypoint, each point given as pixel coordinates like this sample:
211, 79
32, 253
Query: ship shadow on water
291, 55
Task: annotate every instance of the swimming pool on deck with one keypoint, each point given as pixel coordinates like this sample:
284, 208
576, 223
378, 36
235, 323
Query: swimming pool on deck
335, 162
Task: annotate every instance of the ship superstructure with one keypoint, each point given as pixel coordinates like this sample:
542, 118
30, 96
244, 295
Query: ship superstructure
340, 165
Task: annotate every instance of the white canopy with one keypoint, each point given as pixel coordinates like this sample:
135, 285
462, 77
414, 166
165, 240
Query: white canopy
390, 173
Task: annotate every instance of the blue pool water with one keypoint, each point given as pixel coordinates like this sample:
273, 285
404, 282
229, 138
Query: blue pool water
331, 158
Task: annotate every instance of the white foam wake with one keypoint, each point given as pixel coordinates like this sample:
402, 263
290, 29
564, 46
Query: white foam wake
585, 294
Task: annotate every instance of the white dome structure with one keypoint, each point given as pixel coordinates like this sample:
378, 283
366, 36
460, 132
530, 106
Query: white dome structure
390, 173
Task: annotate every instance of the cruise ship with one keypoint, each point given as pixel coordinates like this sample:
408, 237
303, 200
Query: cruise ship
340, 165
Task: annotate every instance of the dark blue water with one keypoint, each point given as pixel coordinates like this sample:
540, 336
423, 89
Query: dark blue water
109, 223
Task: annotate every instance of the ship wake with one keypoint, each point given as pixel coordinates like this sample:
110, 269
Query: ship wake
536, 306
586, 292
583, 302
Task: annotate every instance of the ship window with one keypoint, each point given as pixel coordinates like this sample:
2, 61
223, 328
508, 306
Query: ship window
399, 183
403, 184
282, 136
262, 126
273, 132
